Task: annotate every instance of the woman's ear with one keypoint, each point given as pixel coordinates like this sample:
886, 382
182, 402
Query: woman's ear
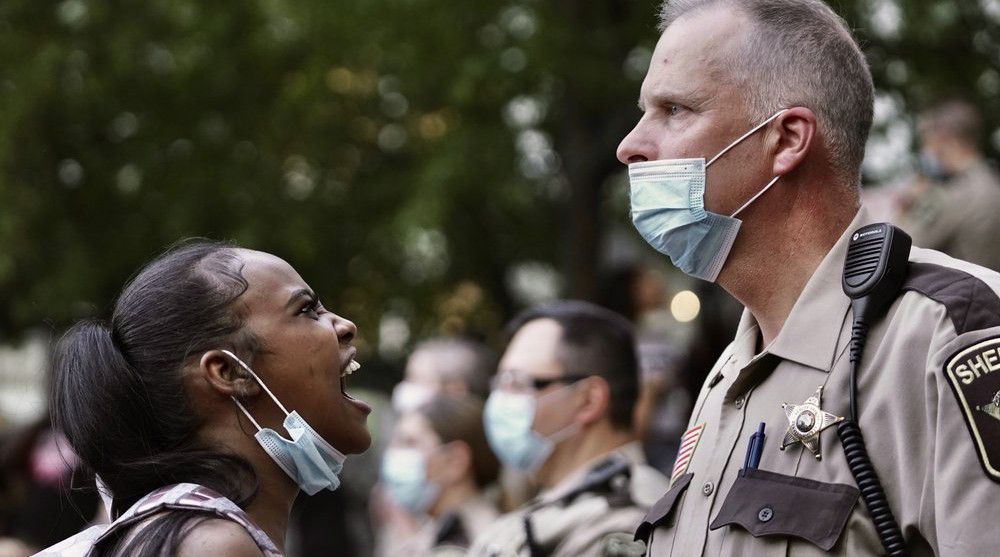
226, 376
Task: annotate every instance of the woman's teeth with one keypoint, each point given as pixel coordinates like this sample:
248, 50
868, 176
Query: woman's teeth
351, 368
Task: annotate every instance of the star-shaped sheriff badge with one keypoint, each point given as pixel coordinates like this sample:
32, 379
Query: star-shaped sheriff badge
806, 421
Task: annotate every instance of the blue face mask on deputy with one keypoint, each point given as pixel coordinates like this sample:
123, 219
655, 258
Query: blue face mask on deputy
668, 209
306, 457
508, 419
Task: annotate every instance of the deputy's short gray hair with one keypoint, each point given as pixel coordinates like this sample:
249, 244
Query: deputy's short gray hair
800, 53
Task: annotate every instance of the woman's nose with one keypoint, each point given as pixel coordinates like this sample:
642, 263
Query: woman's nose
346, 329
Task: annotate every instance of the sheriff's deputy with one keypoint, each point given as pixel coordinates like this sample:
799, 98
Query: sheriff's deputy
561, 410
745, 170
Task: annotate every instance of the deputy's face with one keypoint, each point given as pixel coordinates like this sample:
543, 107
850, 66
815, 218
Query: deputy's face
533, 354
691, 107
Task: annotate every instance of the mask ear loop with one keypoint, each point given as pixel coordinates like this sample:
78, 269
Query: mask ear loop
754, 198
746, 135
568, 430
254, 375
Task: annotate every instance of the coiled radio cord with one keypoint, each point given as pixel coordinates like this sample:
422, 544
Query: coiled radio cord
856, 452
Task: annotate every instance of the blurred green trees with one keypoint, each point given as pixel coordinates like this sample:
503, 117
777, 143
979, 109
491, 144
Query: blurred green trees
415, 160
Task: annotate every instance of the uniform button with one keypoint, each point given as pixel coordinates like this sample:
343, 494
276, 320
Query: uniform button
708, 488
739, 402
765, 514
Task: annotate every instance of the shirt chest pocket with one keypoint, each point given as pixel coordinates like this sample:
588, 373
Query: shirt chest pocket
768, 504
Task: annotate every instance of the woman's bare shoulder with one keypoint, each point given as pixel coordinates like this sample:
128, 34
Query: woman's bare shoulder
217, 536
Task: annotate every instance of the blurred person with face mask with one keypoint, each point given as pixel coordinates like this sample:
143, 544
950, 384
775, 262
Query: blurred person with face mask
954, 207
439, 468
561, 409
452, 365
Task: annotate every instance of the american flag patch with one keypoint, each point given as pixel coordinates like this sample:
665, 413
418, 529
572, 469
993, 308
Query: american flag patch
688, 443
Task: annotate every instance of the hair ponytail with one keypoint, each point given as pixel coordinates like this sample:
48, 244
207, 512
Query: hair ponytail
118, 396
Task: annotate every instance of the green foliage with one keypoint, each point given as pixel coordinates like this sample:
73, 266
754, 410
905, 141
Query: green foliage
402, 154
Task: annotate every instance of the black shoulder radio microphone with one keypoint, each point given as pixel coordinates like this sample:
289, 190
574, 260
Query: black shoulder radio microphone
874, 271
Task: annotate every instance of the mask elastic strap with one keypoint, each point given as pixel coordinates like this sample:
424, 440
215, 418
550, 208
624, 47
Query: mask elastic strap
754, 198
746, 135
564, 433
258, 379
247, 414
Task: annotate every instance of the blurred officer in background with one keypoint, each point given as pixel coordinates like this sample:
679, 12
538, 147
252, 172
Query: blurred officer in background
561, 409
453, 365
779, 95
956, 207
439, 467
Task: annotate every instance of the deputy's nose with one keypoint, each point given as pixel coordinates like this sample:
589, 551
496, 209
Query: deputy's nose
635, 147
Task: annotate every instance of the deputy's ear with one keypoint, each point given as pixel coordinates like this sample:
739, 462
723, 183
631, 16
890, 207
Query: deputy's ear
596, 400
795, 131
226, 376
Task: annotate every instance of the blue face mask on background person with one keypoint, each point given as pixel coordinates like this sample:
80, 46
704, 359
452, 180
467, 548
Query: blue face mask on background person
932, 167
668, 209
508, 418
404, 473
307, 458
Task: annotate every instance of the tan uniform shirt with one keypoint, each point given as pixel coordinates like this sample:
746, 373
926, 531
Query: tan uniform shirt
451, 535
445, 536
932, 437
594, 523
964, 219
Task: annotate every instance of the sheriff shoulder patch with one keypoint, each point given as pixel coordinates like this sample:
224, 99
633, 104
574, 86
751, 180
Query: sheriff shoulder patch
974, 375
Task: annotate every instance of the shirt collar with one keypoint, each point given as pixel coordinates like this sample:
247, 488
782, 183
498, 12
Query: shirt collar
812, 331
630, 452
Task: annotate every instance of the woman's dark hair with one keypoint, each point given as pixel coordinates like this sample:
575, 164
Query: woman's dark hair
460, 418
119, 397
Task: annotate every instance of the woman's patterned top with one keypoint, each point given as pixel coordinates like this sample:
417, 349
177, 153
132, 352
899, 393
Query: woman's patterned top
174, 497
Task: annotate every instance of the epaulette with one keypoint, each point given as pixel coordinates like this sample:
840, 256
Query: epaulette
971, 304
610, 476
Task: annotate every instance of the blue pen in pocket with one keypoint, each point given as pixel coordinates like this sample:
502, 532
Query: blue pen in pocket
754, 449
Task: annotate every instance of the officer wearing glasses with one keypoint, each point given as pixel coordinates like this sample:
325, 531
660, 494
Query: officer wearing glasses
561, 410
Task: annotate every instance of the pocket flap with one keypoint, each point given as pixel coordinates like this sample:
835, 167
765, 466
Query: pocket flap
658, 512
765, 503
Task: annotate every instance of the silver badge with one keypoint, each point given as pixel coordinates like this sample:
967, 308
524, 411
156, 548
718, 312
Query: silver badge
806, 421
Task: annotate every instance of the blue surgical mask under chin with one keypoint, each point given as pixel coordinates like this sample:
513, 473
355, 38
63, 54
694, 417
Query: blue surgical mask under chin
668, 209
404, 473
508, 418
305, 456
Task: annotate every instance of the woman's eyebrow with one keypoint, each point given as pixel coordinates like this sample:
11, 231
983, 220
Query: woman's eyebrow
300, 293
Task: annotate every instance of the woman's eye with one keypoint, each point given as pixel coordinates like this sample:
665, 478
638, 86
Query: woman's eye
311, 309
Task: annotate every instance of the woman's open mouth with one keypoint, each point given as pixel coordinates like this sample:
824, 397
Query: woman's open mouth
352, 366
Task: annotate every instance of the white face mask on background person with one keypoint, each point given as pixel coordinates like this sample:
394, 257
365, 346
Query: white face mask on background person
667, 200
306, 457
508, 418
407, 396
404, 473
